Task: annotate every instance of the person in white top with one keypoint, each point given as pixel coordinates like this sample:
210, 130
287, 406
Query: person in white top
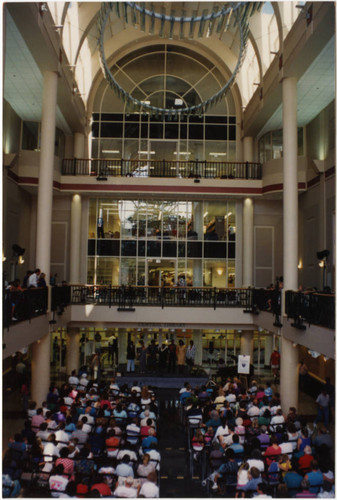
149, 489
126, 490
34, 278
57, 482
82, 385
254, 410
276, 420
51, 450
62, 437
73, 380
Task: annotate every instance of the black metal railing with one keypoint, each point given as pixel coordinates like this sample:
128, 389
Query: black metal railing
60, 297
311, 308
268, 300
127, 297
24, 304
190, 169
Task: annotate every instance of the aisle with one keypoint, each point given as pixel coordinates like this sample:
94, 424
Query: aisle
175, 481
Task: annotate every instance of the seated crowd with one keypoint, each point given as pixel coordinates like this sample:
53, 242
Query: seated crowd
251, 446
87, 440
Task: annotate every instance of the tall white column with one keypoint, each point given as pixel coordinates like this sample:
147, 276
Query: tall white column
268, 349
45, 189
288, 375
78, 145
198, 221
248, 149
73, 350
122, 345
248, 242
75, 239
197, 339
247, 344
40, 369
290, 184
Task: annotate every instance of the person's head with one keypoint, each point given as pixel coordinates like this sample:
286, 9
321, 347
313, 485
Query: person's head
58, 470
126, 459
307, 450
254, 472
314, 465
52, 438
146, 459
229, 453
181, 343
64, 452
191, 343
235, 438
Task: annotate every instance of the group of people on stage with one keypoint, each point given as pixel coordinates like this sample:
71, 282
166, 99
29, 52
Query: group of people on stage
163, 358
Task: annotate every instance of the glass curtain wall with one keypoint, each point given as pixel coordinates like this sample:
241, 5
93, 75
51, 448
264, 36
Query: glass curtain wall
155, 242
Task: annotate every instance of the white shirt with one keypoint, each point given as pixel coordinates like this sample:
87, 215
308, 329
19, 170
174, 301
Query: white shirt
57, 484
51, 450
63, 437
125, 492
254, 411
32, 280
255, 462
73, 380
149, 490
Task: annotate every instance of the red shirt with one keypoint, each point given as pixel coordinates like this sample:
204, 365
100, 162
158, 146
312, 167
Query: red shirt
112, 443
272, 451
102, 488
304, 461
275, 358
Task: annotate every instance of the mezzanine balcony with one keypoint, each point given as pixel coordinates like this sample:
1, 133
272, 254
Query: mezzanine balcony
190, 169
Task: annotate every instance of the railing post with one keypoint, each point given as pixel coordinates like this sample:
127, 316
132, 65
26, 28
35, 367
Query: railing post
164, 167
110, 296
162, 297
214, 298
122, 167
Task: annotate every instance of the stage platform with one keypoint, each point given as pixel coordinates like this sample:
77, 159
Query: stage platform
164, 382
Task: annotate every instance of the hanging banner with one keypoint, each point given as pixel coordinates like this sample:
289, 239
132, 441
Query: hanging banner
243, 364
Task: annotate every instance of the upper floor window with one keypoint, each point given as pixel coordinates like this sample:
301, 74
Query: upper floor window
271, 145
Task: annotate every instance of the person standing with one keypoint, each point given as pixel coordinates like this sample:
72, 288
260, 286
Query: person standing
275, 363
163, 352
34, 278
172, 356
130, 356
96, 367
190, 354
142, 355
152, 356
323, 407
181, 356
302, 375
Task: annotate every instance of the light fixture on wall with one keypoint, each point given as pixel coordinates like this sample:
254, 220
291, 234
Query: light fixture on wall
323, 258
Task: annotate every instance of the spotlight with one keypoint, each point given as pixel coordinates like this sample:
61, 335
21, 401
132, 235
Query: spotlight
324, 254
17, 250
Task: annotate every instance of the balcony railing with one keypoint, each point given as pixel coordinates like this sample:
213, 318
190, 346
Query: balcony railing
127, 297
24, 305
311, 308
190, 169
